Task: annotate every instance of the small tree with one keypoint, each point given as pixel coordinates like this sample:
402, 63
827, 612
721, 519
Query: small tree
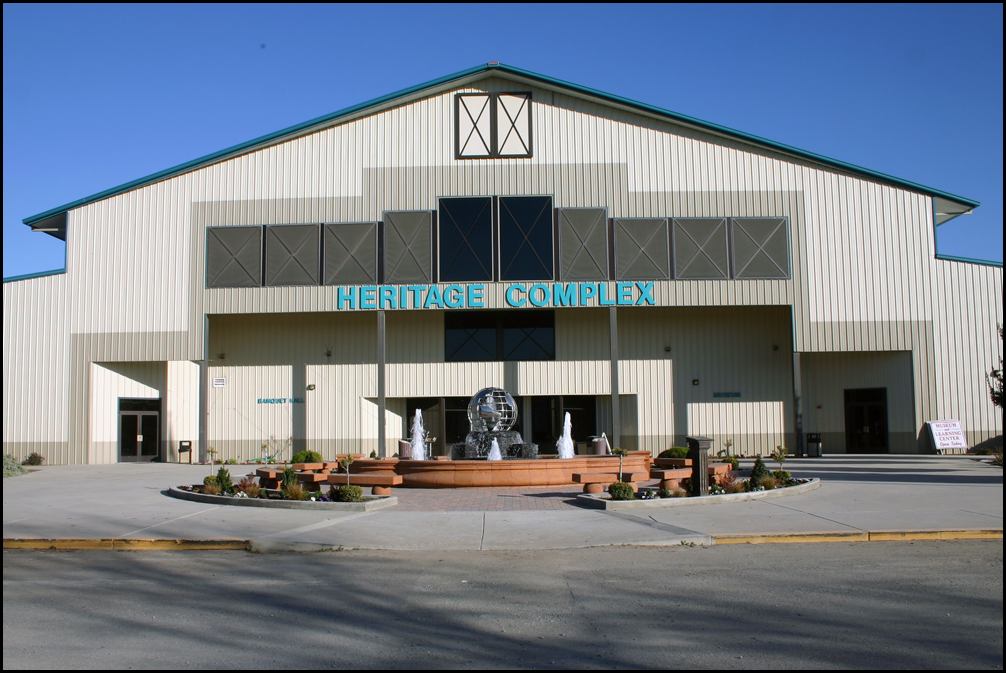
344, 463
779, 455
621, 456
212, 453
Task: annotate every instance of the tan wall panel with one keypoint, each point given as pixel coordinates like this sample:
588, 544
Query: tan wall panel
181, 408
109, 382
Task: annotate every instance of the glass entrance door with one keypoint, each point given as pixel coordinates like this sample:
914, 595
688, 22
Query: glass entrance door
866, 420
139, 430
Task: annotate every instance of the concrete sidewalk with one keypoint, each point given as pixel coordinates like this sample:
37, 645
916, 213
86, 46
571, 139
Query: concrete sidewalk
859, 494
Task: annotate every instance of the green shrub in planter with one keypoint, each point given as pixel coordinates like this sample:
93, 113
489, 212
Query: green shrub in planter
621, 491
674, 452
346, 493
224, 480
210, 480
782, 475
10, 466
676, 492
288, 478
734, 463
758, 472
306, 457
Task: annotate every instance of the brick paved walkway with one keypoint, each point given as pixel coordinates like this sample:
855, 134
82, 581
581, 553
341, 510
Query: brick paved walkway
487, 499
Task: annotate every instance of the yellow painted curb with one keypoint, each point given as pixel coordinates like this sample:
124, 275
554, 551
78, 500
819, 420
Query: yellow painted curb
861, 536
792, 538
118, 544
965, 534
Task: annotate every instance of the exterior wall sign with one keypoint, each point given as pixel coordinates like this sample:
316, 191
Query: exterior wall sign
472, 295
280, 400
726, 394
947, 435
219, 382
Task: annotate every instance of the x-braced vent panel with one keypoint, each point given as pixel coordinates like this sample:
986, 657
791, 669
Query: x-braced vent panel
291, 255
641, 249
234, 257
760, 247
473, 113
350, 253
408, 246
513, 124
700, 248
583, 244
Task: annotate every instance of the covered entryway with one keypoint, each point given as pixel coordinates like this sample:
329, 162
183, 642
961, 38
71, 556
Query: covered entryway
866, 420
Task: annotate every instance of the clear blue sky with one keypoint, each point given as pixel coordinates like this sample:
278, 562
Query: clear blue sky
98, 95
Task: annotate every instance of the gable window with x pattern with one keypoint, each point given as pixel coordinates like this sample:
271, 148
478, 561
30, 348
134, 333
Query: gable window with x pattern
492, 125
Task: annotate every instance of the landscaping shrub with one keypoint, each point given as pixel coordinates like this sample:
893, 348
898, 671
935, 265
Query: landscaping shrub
11, 468
736, 487
224, 482
294, 492
288, 478
782, 476
674, 452
734, 463
210, 479
997, 460
726, 480
768, 483
211, 488
306, 456
676, 492
231, 461
346, 493
249, 487
34, 459
621, 491
758, 472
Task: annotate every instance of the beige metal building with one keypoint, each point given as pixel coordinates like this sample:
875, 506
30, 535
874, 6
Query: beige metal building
656, 275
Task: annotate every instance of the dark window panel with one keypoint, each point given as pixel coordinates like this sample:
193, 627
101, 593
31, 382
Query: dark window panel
350, 253
483, 336
760, 247
583, 243
234, 257
641, 249
700, 248
466, 249
526, 238
408, 246
291, 255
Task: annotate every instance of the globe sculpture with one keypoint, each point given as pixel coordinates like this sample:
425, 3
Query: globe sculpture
492, 414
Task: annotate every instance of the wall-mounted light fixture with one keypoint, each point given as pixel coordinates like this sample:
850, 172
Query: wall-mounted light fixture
667, 349
310, 386
328, 353
695, 382
775, 347
221, 356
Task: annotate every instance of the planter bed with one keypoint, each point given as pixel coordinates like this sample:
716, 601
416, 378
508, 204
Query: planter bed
602, 501
369, 504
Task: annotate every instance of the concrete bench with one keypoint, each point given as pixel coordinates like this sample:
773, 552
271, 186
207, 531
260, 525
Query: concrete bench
594, 482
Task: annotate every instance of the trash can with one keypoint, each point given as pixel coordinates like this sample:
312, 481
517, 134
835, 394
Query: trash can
698, 452
813, 444
185, 451
599, 446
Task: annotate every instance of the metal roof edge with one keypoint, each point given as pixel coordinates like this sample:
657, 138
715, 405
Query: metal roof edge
968, 260
334, 116
37, 274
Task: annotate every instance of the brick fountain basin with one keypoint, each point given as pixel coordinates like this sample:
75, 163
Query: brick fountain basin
542, 471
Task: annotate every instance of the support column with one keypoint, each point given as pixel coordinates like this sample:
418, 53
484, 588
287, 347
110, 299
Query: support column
204, 368
800, 448
381, 400
616, 415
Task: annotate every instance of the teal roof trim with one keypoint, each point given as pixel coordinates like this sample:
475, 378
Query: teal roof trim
969, 260
335, 116
37, 274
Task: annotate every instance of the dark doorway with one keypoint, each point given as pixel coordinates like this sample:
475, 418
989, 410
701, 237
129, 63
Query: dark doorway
866, 420
139, 430
430, 408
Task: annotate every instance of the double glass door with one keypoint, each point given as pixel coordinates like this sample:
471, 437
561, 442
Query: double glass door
139, 430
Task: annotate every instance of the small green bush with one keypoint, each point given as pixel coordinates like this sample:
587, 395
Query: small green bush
782, 475
346, 493
34, 459
306, 456
676, 492
674, 452
11, 468
621, 491
294, 492
224, 480
289, 477
769, 483
210, 479
231, 461
758, 472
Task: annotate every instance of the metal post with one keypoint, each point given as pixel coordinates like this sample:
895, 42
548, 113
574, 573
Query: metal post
616, 415
204, 368
381, 401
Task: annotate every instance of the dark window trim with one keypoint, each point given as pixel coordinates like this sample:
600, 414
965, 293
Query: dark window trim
530, 126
